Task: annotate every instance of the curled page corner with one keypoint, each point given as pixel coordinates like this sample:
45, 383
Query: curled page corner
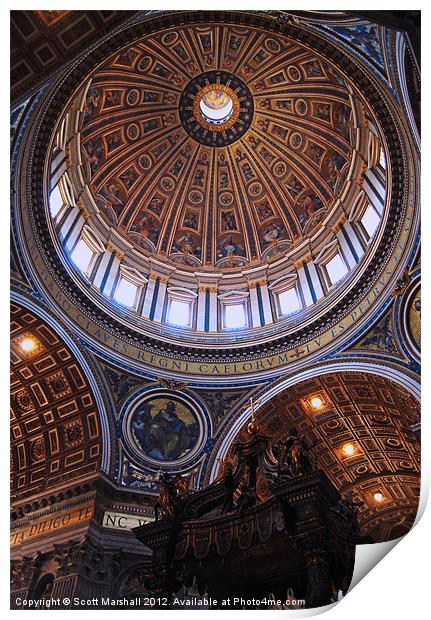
367, 556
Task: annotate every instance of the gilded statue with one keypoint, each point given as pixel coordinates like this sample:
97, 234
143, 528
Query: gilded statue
172, 491
293, 456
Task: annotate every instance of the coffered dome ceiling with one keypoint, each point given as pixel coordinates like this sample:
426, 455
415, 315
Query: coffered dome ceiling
241, 172
235, 188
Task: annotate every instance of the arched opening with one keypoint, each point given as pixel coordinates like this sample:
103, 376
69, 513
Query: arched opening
360, 431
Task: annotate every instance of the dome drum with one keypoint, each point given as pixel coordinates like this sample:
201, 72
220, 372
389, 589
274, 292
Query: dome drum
294, 215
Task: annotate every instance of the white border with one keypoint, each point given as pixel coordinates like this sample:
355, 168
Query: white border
399, 586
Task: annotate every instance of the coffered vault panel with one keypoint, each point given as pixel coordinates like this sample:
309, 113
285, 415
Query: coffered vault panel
360, 434
55, 427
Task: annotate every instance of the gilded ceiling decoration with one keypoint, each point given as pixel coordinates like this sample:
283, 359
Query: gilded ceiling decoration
277, 115
380, 338
49, 18
55, 430
358, 429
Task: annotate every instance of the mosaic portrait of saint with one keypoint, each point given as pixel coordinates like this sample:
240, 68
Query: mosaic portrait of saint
414, 318
165, 430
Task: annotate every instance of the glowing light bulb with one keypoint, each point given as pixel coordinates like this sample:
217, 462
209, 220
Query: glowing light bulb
316, 402
28, 345
348, 449
378, 496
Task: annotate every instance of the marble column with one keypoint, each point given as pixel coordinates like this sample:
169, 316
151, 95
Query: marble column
202, 300
213, 306
347, 248
111, 275
350, 231
71, 227
103, 269
310, 283
254, 304
266, 302
375, 189
149, 293
58, 167
160, 302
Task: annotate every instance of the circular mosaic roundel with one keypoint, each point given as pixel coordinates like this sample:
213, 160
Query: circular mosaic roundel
216, 108
414, 310
164, 429
411, 319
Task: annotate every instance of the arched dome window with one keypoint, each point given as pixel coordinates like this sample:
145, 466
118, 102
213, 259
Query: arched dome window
180, 306
129, 287
234, 313
85, 251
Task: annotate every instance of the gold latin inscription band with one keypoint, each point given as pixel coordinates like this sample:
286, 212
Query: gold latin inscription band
50, 523
182, 366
